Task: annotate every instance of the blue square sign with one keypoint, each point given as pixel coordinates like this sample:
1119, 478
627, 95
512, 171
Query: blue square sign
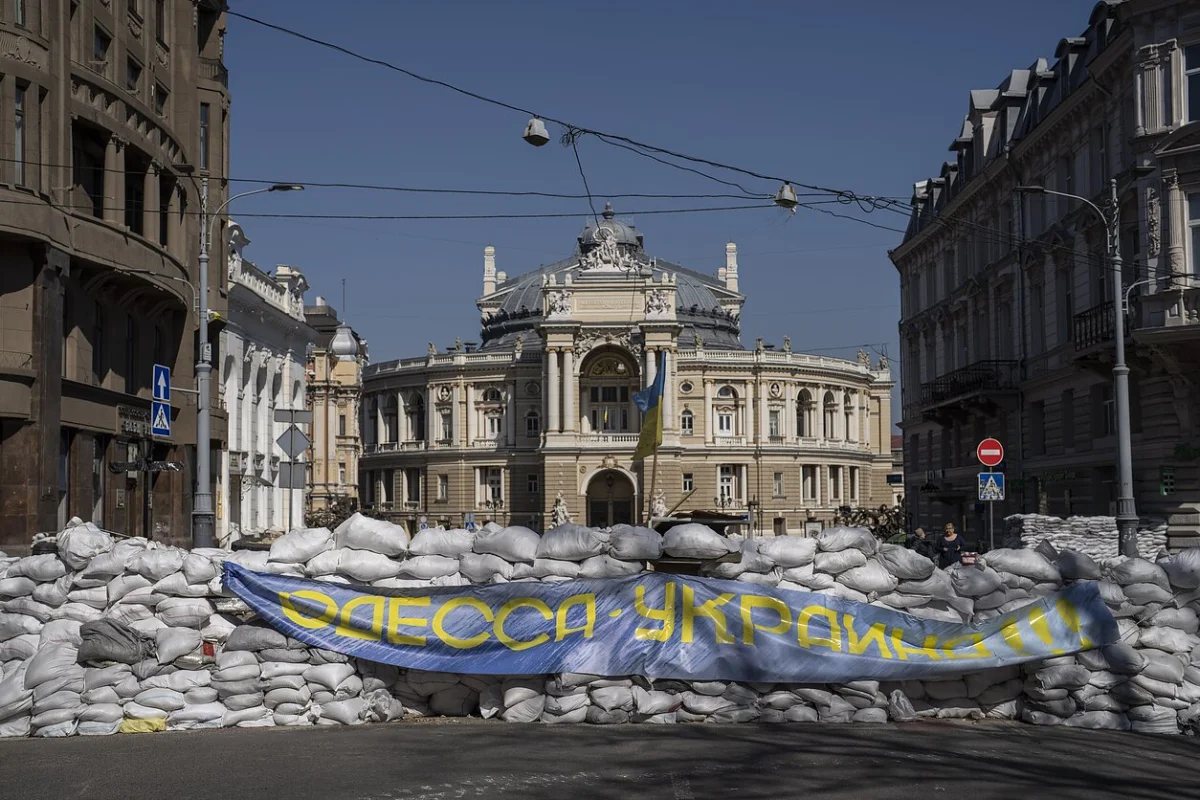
160, 419
161, 383
991, 486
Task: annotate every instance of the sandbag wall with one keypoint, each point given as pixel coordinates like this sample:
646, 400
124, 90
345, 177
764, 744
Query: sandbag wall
1096, 537
108, 636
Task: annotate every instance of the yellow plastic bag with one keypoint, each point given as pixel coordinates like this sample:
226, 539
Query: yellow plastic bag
156, 725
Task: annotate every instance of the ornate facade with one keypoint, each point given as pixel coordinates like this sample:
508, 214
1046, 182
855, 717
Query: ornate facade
263, 349
1009, 304
537, 423
111, 114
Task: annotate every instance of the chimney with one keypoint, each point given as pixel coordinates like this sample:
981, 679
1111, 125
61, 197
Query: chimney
731, 269
489, 270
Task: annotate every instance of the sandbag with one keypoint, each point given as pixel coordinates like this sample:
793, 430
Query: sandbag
1139, 570
301, 545
1026, 563
693, 540
439, 542
254, 638
549, 567
905, 564
347, 712
328, 675
14, 625
605, 566
373, 535
1183, 568
427, 567
838, 561
79, 544
571, 542
43, 568
484, 567
871, 577
184, 612
971, 581
789, 551
154, 565
514, 544
832, 540
171, 643
198, 568
369, 565
454, 701
110, 640
1076, 566
631, 543
16, 587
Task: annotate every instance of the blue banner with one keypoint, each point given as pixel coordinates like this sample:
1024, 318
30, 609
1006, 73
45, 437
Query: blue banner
662, 626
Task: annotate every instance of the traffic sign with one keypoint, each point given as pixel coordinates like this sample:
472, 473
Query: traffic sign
293, 442
293, 475
424, 524
990, 452
991, 486
469, 521
161, 383
296, 416
160, 418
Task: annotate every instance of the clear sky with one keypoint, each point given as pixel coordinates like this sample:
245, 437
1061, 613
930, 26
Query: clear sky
858, 94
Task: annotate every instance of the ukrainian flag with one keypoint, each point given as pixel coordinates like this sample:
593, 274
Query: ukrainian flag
649, 402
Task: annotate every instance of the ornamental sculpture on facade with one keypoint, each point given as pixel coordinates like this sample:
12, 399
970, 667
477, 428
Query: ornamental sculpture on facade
658, 505
657, 303
559, 303
607, 255
559, 514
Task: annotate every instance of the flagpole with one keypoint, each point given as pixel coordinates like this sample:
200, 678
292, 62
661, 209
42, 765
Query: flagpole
653, 480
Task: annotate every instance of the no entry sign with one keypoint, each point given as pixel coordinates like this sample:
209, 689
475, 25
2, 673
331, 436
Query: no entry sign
990, 452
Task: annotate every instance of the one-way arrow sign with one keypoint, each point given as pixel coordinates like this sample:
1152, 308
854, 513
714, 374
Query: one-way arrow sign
293, 442
161, 383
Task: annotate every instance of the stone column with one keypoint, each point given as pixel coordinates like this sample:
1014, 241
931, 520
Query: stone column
668, 400
553, 385
455, 425
1176, 202
150, 225
763, 430
470, 413
431, 431
651, 365
570, 392
174, 226
709, 416
114, 180
510, 414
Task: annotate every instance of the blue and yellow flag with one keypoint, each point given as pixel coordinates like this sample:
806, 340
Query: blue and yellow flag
649, 402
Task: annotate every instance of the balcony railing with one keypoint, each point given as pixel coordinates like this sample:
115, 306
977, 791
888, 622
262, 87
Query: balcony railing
1095, 326
600, 438
982, 376
212, 69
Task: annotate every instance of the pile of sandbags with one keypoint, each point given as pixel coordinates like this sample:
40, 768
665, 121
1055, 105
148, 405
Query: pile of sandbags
1095, 537
109, 636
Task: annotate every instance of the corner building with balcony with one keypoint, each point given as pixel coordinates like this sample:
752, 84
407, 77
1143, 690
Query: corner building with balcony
111, 112
1008, 301
543, 407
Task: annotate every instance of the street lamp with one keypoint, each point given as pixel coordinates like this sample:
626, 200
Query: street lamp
1127, 518
203, 522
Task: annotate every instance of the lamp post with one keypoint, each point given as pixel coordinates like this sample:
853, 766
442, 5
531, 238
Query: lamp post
203, 522
1127, 518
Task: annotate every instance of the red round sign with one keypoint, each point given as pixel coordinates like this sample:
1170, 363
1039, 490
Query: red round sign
990, 452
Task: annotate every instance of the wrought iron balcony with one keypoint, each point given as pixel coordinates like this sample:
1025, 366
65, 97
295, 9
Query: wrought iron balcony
214, 70
1095, 326
980, 377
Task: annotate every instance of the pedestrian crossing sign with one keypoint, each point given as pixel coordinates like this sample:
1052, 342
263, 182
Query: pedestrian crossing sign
991, 486
160, 419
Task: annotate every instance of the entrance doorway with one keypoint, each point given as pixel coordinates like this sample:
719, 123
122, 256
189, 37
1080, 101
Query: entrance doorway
610, 500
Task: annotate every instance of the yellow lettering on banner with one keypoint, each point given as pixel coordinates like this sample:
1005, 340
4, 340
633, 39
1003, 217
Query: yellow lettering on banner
345, 626
709, 609
833, 641
903, 650
588, 628
1011, 631
511, 606
439, 622
1041, 626
1070, 615
977, 650
666, 615
749, 602
303, 619
395, 620
876, 635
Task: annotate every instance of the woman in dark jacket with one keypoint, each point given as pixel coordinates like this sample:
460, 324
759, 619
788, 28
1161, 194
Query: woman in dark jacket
950, 548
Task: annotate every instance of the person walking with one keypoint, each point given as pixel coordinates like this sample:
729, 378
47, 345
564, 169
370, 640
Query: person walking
950, 548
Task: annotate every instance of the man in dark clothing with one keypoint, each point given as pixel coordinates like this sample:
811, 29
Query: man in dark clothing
950, 548
921, 544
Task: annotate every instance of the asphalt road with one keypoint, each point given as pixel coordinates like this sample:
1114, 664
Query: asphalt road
475, 759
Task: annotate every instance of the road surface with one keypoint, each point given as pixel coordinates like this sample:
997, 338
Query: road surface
440, 760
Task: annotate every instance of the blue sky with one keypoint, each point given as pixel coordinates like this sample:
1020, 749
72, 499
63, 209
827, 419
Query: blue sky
865, 95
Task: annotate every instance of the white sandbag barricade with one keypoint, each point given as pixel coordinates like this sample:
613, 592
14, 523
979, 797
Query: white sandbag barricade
110, 636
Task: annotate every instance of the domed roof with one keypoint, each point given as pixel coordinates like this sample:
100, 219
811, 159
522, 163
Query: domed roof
625, 235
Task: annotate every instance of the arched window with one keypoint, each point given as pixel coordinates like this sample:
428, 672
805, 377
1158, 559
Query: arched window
491, 395
804, 414
848, 413
829, 416
533, 424
727, 393
416, 416
687, 422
